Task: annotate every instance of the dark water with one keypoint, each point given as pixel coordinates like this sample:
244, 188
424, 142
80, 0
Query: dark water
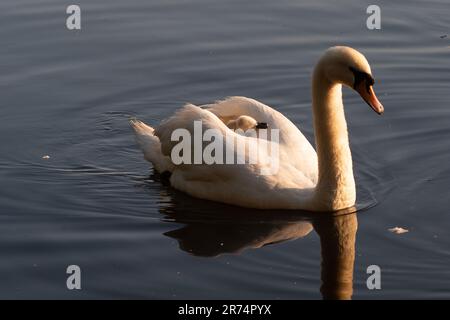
97, 204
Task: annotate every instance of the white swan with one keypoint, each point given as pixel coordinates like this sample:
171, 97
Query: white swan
305, 180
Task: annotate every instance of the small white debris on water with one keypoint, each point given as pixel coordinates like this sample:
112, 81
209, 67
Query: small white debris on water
398, 230
46, 157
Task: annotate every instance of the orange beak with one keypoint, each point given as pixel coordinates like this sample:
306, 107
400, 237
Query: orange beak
366, 92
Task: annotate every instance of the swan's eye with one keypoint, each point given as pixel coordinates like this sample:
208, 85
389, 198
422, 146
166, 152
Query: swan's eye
361, 76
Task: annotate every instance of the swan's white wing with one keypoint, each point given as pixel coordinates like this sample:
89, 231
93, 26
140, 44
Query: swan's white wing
302, 154
186, 119
241, 184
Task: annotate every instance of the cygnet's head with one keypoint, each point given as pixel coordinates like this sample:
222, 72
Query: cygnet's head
243, 122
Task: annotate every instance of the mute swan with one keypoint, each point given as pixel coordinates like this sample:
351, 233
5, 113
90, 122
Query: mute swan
306, 180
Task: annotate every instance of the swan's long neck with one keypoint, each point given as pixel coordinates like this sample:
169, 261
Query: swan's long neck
336, 185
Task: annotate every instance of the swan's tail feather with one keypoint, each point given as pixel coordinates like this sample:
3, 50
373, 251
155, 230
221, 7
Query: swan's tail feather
150, 146
140, 127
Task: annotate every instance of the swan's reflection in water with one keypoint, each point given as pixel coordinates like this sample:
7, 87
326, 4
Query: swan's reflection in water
337, 241
216, 229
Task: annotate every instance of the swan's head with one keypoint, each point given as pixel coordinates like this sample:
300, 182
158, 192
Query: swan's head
349, 67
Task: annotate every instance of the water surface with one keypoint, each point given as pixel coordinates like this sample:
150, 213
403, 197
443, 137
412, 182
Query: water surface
97, 203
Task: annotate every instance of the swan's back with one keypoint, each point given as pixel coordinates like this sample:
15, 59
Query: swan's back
291, 139
241, 184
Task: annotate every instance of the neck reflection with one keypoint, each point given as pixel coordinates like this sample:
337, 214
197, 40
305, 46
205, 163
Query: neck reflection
217, 231
337, 242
